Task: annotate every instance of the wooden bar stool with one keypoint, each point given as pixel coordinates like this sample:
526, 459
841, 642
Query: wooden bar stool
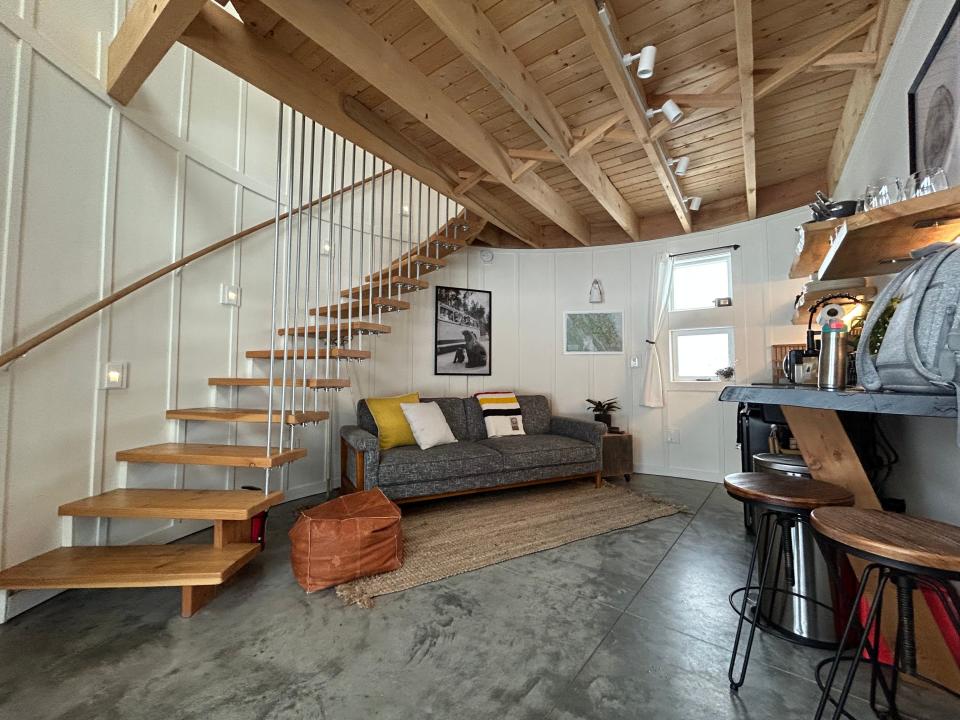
783, 502
912, 553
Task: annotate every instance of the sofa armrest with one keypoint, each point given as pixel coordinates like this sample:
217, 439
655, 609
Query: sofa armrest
586, 430
359, 458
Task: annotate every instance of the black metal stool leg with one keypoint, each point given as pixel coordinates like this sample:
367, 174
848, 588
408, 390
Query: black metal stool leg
834, 666
766, 524
872, 616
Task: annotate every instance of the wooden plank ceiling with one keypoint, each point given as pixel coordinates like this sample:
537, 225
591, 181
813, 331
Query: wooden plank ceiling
531, 82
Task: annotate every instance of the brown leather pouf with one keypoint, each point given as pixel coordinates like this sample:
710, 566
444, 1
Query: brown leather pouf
353, 536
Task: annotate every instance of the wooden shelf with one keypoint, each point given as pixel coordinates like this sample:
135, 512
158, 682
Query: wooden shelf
801, 315
173, 504
129, 566
875, 237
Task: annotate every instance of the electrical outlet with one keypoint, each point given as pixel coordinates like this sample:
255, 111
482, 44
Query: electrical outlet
672, 436
635, 362
230, 295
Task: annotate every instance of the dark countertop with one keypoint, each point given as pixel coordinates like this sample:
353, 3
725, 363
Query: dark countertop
852, 400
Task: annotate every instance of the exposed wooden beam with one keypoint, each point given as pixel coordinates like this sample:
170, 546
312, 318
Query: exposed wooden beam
743, 20
597, 132
150, 28
697, 100
879, 41
474, 177
539, 154
798, 64
347, 37
606, 40
833, 62
488, 178
225, 41
468, 28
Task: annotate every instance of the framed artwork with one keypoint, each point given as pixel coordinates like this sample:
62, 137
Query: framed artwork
462, 332
586, 332
933, 105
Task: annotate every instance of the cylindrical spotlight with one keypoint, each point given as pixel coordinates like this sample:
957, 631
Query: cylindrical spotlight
647, 59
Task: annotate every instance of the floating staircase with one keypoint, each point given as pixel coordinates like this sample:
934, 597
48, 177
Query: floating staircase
200, 570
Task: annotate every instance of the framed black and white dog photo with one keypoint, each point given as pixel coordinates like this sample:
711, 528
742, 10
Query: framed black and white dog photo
462, 336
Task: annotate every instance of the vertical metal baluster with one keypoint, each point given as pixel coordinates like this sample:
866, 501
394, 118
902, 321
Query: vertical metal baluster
429, 223
288, 258
373, 218
353, 220
363, 197
419, 224
446, 226
339, 287
332, 255
392, 210
410, 231
383, 187
296, 268
316, 313
309, 266
273, 296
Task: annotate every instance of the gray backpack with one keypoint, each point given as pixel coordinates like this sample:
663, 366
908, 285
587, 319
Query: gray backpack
918, 353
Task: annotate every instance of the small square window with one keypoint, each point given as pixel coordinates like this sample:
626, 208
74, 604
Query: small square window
699, 280
696, 355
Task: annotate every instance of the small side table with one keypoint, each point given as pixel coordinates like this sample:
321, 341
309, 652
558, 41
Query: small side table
618, 455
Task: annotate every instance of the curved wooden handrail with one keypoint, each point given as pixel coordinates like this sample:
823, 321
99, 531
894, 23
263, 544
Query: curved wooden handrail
26, 346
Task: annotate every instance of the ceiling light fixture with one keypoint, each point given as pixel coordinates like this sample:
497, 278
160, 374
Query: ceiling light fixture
694, 202
647, 57
670, 110
680, 165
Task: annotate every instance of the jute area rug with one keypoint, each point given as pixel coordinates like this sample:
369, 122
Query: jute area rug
449, 537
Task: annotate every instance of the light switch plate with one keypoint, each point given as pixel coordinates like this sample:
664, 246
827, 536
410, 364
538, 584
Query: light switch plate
230, 295
635, 362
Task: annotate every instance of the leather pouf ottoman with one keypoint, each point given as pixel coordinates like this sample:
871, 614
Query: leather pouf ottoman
353, 536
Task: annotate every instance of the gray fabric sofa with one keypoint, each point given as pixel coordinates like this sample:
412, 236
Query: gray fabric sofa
554, 448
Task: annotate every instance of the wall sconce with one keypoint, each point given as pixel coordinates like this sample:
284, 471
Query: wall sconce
596, 292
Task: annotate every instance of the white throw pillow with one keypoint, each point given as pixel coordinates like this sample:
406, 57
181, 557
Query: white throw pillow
429, 426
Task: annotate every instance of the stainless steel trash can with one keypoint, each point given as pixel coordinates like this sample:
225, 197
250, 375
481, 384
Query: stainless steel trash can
807, 621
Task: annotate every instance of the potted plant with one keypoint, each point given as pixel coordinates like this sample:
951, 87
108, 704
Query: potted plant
725, 374
602, 409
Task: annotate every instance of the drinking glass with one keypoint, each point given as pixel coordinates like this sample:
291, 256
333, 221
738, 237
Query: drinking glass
890, 191
925, 182
870, 197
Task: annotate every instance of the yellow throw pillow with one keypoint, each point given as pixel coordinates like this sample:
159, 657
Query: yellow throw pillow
392, 424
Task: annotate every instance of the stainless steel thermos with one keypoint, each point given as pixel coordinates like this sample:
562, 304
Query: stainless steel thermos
832, 373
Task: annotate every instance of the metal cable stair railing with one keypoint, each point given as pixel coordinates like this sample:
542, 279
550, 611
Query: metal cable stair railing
352, 238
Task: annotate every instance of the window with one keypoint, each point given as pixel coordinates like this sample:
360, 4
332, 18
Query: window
699, 280
696, 354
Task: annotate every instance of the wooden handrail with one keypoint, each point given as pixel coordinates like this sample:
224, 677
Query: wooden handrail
23, 348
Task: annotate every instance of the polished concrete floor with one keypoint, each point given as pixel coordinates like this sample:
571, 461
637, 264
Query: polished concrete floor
631, 624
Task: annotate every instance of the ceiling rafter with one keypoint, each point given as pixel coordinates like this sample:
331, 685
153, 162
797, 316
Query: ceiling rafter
606, 43
149, 30
471, 32
346, 36
743, 27
227, 42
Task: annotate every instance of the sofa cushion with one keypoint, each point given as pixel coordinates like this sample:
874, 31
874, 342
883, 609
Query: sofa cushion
394, 430
455, 414
411, 464
530, 451
535, 410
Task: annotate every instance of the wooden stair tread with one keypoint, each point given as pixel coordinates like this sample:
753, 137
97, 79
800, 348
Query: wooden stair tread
398, 282
206, 454
357, 309
312, 383
311, 354
173, 504
404, 262
129, 566
247, 415
337, 328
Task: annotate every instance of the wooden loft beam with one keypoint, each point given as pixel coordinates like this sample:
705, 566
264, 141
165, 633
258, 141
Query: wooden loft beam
879, 41
599, 131
833, 62
798, 64
472, 179
225, 41
606, 43
743, 19
539, 154
347, 37
149, 30
472, 33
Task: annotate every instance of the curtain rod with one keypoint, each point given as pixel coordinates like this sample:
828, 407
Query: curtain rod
697, 252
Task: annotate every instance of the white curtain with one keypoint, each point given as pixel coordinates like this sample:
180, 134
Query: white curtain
651, 393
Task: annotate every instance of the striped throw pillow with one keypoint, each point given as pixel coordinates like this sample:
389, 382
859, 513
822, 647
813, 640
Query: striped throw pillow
501, 413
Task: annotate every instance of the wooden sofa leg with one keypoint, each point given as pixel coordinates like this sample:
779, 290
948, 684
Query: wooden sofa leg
598, 479
346, 485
